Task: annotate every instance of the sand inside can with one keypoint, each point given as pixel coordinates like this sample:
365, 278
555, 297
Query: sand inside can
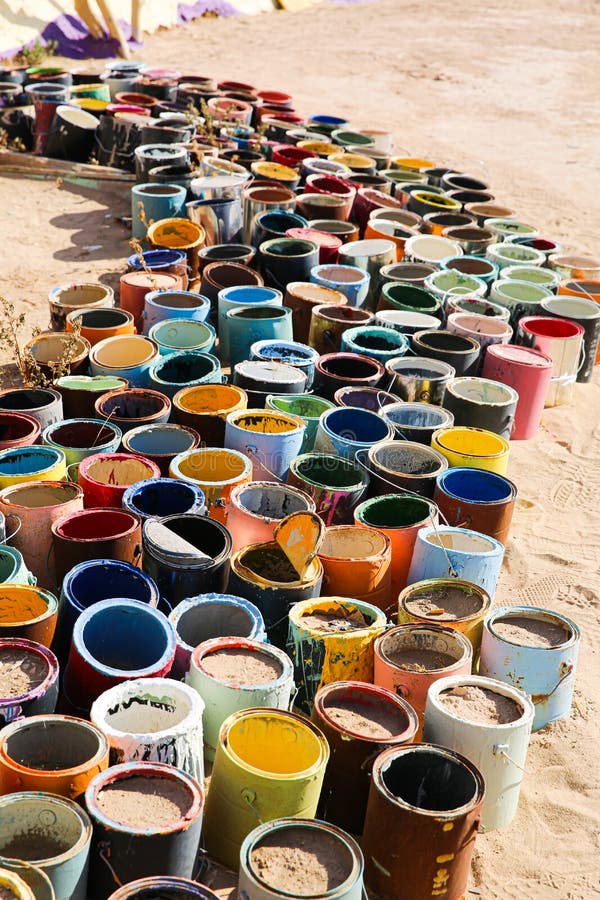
20, 672
530, 631
32, 846
415, 659
446, 604
241, 666
334, 621
367, 719
7, 894
143, 802
480, 705
301, 861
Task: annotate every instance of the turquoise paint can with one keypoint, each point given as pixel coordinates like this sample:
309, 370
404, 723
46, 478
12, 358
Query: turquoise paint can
176, 335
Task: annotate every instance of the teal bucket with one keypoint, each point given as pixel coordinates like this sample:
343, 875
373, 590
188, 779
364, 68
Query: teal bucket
307, 407
12, 567
176, 335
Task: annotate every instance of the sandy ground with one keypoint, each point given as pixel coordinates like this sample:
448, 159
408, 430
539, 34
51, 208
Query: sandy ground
509, 94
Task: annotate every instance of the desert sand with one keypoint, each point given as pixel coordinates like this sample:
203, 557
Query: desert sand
508, 92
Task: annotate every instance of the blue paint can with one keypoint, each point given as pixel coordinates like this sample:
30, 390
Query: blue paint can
447, 552
154, 498
349, 280
375, 341
151, 202
292, 353
346, 430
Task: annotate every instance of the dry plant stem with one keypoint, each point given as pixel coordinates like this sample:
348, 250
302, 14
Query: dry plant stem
137, 248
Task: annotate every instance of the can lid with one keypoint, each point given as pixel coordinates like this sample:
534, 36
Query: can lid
170, 542
299, 536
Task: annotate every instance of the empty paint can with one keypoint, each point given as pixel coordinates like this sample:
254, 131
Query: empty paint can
208, 616
154, 888
476, 499
36, 822
18, 430
351, 281
216, 471
450, 602
364, 398
34, 688
97, 324
374, 341
416, 421
562, 341
80, 392
292, 353
482, 403
444, 551
328, 322
270, 439
176, 335
78, 438
399, 517
495, 739
152, 720
536, 651
419, 380
336, 485
248, 325
269, 763
104, 477
113, 641
133, 407
56, 754
260, 379
134, 286
135, 836
359, 720
336, 370
159, 497
302, 297
237, 297
257, 507
186, 554
129, 356
411, 657
486, 330
357, 563
160, 443
234, 673
169, 374
67, 298
331, 639
206, 407
28, 612
26, 464
45, 404
432, 797
473, 447
587, 314
95, 534
307, 407
528, 372
459, 351
345, 430
402, 465
317, 840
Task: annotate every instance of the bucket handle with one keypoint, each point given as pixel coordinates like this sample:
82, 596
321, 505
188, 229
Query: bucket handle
14, 533
500, 750
51, 577
249, 798
69, 477
103, 850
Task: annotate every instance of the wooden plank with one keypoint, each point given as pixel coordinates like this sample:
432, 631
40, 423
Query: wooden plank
24, 163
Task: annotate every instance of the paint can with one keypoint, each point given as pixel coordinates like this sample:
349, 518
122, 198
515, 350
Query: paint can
562, 341
315, 838
104, 477
238, 297
67, 298
539, 657
308, 407
234, 673
36, 689
407, 297
336, 370
394, 466
12, 567
411, 657
206, 407
432, 797
135, 839
157, 260
113, 641
482, 403
28, 612
165, 305
221, 219
78, 438
257, 507
331, 639
270, 439
371, 399
169, 374
32, 876
175, 335
336, 485
259, 379
359, 720
97, 324
457, 350
91, 534
375, 342
585, 313
179, 234
419, 380
36, 505
128, 355
18, 430
151, 202
485, 330
399, 517
27, 464
37, 821
216, 471
186, 554
56, 754
407, 323
269, 764
209, 616
357, 563
12, 884
473, 447
302, 297
346, 430
45, 351
476, 306
529, 373
152, 720
248, 325
80, 392
476, 499
445, 551
263, 574
328, 323
154, 889
159, 497
160, 443
292, 353
416, 421
521, 298
263, 198
134, 286
498, 748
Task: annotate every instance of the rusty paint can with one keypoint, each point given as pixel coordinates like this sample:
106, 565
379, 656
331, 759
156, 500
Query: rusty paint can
359, 720
476, 499
96, 534
40, 665
257, 507
336, 485
402, 465
357, 563
422, 819
28, 612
